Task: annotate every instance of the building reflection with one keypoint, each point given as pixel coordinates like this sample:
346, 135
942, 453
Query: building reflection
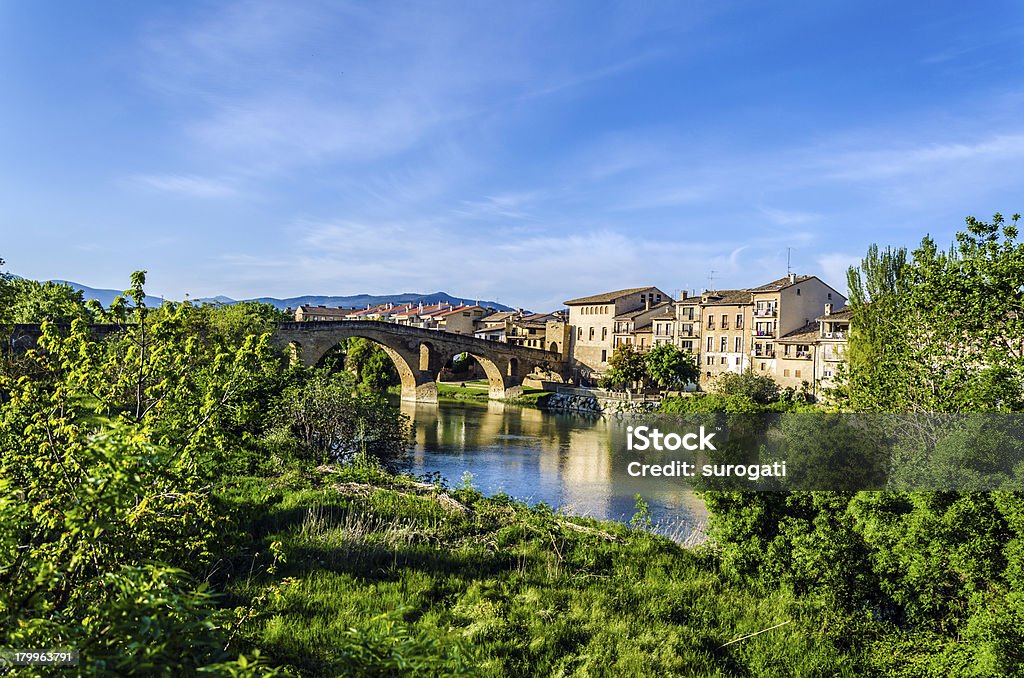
567, 461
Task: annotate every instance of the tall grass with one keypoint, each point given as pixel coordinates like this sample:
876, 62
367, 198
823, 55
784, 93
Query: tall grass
393, 581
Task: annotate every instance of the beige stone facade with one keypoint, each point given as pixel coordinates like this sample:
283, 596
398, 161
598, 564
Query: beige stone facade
592, 326
810, 356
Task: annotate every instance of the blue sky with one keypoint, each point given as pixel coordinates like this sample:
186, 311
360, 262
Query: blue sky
524, 152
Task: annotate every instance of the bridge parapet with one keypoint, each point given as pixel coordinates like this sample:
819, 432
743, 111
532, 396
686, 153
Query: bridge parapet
420, 354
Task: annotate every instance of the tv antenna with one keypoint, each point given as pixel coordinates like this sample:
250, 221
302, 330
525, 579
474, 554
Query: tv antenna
789, 268
711, 279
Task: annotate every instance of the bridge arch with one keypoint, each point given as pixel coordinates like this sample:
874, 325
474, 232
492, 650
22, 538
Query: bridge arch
496, 381
419, 354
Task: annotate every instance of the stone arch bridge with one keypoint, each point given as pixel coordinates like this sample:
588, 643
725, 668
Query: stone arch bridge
420, 354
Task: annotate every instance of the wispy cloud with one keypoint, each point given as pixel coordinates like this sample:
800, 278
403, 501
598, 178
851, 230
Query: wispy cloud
188, 184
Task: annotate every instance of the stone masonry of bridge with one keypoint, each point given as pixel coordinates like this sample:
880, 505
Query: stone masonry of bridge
420, 354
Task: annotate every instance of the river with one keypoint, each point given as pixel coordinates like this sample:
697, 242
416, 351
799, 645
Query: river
572, 462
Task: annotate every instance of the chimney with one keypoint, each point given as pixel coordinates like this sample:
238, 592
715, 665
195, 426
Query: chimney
792, 278
682, 295
828, 309
647, 304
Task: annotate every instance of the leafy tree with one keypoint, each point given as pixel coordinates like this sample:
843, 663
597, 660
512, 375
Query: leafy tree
759, 388
6, 294
369, 363
33, 302
332, 420
670, 367
940, 331
108, 452
626, 367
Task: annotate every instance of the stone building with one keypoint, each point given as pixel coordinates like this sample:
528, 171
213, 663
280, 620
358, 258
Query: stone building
308, 313
725, 332
809, 357
636, 327
460, 319
592, 326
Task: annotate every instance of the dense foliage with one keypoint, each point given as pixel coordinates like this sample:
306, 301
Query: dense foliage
664, 365
932, 583
113, 453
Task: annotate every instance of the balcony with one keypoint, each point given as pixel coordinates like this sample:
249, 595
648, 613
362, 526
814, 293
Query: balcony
764, 333
764, 354
764, 312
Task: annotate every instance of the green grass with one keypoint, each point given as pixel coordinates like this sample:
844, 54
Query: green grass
480, 391
382, 577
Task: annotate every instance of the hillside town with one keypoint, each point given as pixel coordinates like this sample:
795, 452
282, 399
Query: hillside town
793, 329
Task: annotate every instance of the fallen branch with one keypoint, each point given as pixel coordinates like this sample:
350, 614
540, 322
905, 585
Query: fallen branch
751, 635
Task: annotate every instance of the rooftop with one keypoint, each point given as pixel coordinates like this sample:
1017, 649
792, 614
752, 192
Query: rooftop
806, 334
781, 283
727, 297
607, 297
844, 313
640, 311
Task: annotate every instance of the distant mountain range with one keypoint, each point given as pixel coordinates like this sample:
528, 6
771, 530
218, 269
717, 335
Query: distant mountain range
105, 297
353, 301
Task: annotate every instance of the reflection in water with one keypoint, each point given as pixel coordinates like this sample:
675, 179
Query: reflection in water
567, 461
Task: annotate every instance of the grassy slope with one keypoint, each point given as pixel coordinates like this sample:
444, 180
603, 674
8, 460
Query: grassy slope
382, 576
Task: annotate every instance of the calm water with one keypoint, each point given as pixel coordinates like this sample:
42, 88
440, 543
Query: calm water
568, 461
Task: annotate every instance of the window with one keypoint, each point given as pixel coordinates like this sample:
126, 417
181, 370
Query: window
604, 333
796, 373
724, 344
738, 344
711, 322
591, 333
657, 299
737, 360
711, 361
711, 344
830, 296
762, 367
604, 355
687, 346
798, 294
739, 321
785, 373
643, 298
723, 360
826, 373
579, 333
725, 322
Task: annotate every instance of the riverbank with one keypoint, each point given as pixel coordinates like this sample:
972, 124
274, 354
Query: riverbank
479, 391
417, 579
